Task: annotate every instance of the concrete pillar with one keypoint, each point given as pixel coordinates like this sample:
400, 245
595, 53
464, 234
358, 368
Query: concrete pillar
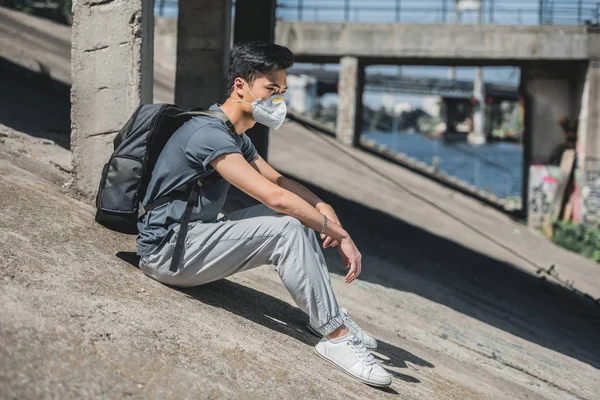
588, 149
111, 68
452, 73
203, 43
478, 134
255, 20
550, 100
349, 114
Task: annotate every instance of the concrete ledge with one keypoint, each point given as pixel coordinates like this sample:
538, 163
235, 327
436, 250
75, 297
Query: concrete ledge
456, 44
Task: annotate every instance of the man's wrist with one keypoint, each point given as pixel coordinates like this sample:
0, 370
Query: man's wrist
324, 227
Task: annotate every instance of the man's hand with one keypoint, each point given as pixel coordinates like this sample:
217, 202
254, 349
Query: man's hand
351, 258
327, 210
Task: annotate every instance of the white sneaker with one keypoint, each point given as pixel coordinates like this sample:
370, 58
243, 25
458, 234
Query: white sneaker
353, 327
351, 356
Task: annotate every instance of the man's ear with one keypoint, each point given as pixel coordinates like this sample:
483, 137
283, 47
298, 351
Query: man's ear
238, 87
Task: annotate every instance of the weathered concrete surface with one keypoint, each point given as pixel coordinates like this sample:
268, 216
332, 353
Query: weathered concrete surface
455, 316
588, 147
111, 70
445, 43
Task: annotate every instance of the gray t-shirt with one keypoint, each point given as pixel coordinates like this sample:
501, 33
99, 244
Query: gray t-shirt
186, 158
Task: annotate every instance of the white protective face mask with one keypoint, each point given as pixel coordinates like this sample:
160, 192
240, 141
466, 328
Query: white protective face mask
269, 112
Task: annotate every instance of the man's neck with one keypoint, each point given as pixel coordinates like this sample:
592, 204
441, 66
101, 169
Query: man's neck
238, 118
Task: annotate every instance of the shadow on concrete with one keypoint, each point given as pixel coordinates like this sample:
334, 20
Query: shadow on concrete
281, 317
278, 316
492, 291
130, 258
34, 103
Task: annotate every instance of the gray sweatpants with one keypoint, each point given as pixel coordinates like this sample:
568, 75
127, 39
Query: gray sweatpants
247, 239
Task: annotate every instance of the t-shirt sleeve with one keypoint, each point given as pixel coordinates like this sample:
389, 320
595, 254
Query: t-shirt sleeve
248, 149
208, 143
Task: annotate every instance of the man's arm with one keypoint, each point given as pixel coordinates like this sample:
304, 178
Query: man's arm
266, 170
236, 170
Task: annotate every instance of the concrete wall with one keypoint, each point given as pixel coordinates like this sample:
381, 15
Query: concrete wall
550, 101
444, 44
112, 71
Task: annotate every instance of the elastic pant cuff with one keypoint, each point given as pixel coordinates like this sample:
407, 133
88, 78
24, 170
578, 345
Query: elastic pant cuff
331, 325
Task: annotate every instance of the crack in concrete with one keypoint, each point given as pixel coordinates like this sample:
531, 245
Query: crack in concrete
517, 368
96, 49
100, 3
136, 24
102, 133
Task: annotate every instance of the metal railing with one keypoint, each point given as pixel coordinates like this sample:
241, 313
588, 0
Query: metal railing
501, 12
510, 12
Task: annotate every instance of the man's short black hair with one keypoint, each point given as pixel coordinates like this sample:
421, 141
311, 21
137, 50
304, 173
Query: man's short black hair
252, 60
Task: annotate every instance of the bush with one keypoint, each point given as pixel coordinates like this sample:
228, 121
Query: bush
577, 238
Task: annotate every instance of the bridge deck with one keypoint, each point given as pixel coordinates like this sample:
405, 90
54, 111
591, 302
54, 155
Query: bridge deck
439, 44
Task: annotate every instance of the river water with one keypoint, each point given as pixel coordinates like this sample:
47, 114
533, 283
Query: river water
494, 167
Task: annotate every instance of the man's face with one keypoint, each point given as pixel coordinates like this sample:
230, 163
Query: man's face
264, 87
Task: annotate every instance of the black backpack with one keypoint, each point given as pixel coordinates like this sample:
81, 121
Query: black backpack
126, 175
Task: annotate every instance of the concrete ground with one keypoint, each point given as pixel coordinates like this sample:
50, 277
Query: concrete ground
448, 287
455, 318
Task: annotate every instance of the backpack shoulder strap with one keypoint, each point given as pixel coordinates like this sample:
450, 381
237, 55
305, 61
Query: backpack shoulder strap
210, 113
183, 229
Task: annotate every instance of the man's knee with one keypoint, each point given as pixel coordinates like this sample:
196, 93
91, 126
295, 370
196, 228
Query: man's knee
291, 224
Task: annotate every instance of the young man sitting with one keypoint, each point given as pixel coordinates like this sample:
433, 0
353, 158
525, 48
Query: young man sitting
279, 231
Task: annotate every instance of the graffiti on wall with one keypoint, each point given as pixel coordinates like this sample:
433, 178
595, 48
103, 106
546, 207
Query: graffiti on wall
543, 181
590, 193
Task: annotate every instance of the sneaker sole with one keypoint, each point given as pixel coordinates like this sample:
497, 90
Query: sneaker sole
317, 334
366, 382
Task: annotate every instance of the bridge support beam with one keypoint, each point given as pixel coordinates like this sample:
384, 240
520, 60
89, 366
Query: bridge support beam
203, 42
350, 105
478, 136
112, 73
588, 148
255, 20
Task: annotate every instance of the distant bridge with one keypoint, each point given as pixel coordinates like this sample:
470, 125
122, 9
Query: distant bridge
327, 81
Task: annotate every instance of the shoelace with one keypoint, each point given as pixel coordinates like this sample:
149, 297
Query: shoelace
361, 351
